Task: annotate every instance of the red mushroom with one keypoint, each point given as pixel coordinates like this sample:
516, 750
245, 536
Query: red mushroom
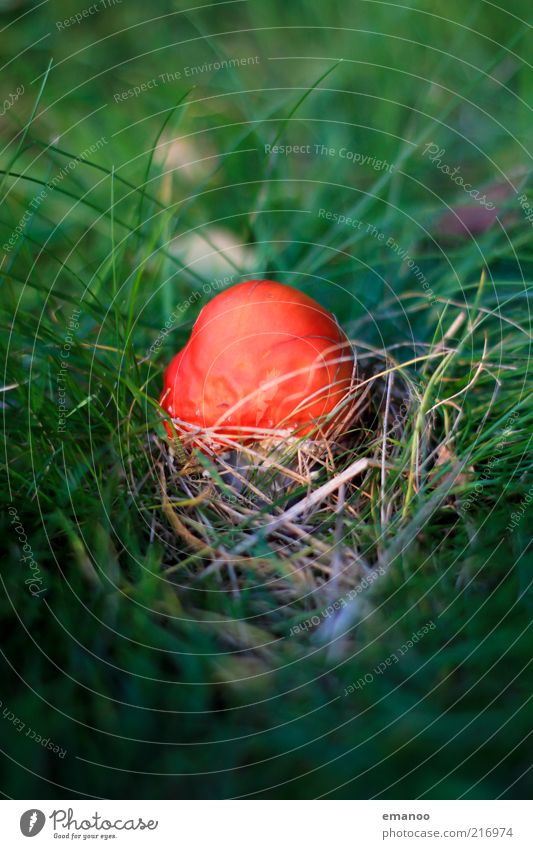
262, 357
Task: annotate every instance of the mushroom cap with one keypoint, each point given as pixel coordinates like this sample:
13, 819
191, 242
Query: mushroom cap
261, 355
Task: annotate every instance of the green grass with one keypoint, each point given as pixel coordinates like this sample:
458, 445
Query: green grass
167, 671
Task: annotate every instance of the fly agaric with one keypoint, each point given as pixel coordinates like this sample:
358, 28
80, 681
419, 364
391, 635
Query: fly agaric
263, 359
